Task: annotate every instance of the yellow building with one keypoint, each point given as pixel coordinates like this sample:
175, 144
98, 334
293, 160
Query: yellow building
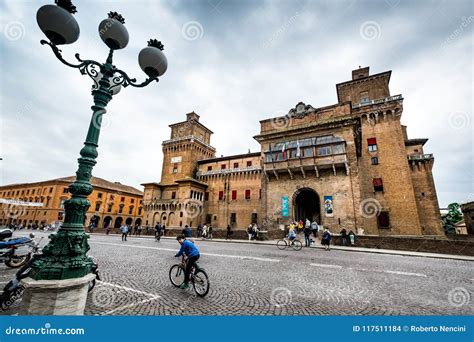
42, 203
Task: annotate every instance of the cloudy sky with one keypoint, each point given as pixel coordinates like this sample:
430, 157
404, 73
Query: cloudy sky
234, 63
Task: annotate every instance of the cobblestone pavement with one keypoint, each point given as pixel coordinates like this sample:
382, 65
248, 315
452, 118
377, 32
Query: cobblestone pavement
262, 280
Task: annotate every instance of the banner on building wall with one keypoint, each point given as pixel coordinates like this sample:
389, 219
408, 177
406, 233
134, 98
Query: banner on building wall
328, 208
176, 159
285, 211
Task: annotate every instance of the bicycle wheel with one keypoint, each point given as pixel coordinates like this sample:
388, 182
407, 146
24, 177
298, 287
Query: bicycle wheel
177, 275
201, 282
297, 245
281, 244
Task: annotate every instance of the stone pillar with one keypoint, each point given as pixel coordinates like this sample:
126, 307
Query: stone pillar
55, 297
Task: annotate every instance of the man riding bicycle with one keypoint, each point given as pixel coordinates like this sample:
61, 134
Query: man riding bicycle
291, 235
192, 254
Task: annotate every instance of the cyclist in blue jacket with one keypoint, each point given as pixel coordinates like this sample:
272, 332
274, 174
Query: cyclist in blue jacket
192, 254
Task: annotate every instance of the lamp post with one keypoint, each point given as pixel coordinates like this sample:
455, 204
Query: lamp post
64, 265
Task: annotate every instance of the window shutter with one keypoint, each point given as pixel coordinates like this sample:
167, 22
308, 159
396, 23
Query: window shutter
234, 195
378, 182
372, 141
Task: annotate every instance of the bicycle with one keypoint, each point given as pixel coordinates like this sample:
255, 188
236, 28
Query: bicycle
285, 243
198, 277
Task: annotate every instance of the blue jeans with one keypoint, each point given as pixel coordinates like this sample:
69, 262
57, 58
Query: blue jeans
307, 240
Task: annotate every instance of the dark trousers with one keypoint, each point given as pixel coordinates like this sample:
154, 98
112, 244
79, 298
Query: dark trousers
189, 265
124, 236
307, 240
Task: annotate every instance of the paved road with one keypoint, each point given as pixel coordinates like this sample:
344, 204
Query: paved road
262, 280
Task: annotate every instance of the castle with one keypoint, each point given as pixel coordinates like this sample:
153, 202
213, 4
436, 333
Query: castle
348, 165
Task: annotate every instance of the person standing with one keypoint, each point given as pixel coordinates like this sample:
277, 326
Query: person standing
229, 233
343, 237
326, 239
210, 231
307, 236
158, 232
163, 228
352, 237
300, 226
204, 231
124, 230
314, 229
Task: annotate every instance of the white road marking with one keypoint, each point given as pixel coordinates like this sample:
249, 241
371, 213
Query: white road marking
128, 305
127, 289
242, 257
406, 273
327, 266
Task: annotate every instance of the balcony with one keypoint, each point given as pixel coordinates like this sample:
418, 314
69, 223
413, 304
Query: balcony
420, 157
227, 171
378, 101
302, 165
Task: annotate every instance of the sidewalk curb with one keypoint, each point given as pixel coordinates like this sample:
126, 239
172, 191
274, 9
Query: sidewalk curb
338, 248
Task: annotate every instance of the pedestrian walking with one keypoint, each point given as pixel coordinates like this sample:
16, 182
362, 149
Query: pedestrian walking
307, 236
107, 230
163, 228
158, 232
250, 231
210, 232
199, 230
229, 233
326, 239
187, 232
124, 229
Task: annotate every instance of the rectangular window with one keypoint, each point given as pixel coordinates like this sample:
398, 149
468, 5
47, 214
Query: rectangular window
234, 195
324, 151
247, 194
338, 149
109, 208
122, 199
383, 220
209, 168
65, 191
233, 217
173, 195
249, 163
260, 194
33, 191
99, 195
132, 200
253, 218
236, 165
223, 167
120, 209
97, 206
206, 196
378, 185
130, 210
221, 195
308, 152
364, 97
50, 190
175, 168
375, 160
372, 143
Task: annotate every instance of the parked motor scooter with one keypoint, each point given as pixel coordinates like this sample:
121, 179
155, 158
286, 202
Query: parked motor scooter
15, 252
14, 288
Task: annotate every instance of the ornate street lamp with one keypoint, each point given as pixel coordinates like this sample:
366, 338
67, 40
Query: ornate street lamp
65, 255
